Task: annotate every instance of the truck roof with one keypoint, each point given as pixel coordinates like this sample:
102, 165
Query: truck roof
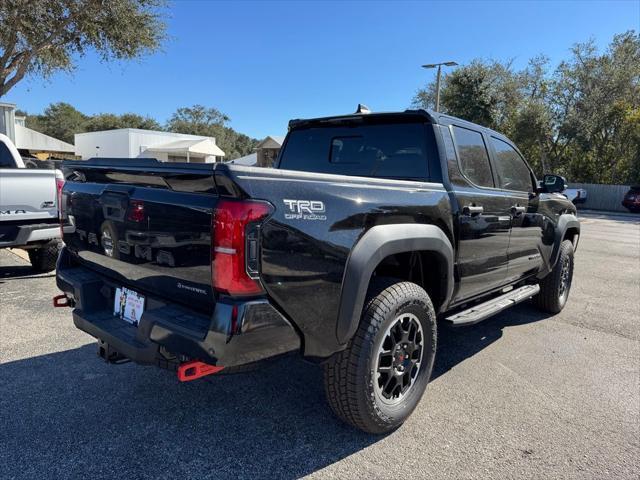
426, 115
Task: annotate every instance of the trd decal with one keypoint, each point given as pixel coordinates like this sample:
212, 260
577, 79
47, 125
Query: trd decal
304, 209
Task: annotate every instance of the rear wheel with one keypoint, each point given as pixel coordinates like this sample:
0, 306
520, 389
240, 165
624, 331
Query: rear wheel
377, 381
555, 287
44, 259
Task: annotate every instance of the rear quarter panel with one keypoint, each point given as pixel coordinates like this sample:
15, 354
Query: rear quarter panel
304, 253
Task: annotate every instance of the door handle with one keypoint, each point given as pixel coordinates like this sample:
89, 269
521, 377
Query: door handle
518, 210
472, 210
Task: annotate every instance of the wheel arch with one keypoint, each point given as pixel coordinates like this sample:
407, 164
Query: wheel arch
568, 228
376, 245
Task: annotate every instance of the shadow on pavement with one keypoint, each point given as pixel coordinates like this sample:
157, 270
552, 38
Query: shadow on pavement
69, 415
456, 344
20, 270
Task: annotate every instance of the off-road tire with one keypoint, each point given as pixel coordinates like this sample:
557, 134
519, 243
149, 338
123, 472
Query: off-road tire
349, 375
44, 259
553, 295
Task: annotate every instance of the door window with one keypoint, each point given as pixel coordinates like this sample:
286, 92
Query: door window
512, 172
473, 156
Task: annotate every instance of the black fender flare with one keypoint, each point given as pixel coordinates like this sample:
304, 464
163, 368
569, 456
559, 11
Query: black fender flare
375, 245
565, 222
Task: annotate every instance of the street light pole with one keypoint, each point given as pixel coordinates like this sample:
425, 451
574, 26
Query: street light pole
438, 89
439, 65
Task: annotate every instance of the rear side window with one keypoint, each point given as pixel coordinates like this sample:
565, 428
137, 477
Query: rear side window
6, 159
473, 156
397, 151
512, 172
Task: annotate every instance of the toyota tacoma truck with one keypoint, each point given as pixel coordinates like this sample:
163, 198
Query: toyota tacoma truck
371, 230
28, 208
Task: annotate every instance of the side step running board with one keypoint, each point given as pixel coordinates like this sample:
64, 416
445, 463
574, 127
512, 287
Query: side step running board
479, 312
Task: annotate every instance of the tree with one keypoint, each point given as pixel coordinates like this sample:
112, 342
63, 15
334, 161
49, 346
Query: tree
597, 100
581, 120
197, 120
109, 121
481, 92
40, 37
59, 120
211, 122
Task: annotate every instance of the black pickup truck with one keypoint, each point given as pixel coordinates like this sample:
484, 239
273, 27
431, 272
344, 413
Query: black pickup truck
371, 228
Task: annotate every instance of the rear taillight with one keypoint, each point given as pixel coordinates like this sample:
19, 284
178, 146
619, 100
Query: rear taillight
136, 211
235, 229
61, 212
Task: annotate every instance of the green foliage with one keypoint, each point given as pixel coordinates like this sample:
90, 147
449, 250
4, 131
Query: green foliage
40, 37
62, 121
581, 120
59, 120
109, 121
201, 120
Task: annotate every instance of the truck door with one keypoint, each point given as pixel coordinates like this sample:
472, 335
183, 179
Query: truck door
483, 217
515, 179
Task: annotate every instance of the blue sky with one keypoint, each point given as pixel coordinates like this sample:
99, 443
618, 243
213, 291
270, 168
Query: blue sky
263, 63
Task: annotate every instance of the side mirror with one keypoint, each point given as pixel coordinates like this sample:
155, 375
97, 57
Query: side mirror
554, 184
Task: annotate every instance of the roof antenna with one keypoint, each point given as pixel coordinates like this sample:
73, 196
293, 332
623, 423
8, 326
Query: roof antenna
363, 109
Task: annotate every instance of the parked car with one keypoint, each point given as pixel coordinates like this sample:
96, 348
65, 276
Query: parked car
28, 208
631, 199
369, 230
576, 195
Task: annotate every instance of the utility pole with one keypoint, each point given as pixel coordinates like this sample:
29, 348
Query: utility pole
439, 65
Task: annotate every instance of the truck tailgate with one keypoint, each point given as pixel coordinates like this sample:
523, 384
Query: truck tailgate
145, 225
28, 195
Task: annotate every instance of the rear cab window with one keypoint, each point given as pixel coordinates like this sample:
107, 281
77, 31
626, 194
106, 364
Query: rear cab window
388, 150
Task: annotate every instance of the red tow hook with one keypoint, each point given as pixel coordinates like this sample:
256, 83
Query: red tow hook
193, 370
61, 301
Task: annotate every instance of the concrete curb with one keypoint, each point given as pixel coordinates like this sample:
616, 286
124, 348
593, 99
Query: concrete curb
610, 214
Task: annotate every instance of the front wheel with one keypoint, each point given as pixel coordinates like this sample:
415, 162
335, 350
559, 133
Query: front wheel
378, 380
555, 287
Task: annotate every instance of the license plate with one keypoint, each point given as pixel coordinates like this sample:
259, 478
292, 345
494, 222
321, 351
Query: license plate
128, 305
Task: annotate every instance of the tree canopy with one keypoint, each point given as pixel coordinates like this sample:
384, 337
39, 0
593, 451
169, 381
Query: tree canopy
61, 120
40, 37
200, 120
581, 119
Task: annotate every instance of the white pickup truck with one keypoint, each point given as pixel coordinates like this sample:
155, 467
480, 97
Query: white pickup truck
29, 208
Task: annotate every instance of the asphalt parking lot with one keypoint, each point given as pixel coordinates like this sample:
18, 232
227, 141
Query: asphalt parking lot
523, 395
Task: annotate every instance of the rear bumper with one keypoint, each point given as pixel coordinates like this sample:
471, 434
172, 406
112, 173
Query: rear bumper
237, 333
22, 235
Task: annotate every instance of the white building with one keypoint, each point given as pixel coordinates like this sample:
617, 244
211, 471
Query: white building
136, 143
30, 142
267, 150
